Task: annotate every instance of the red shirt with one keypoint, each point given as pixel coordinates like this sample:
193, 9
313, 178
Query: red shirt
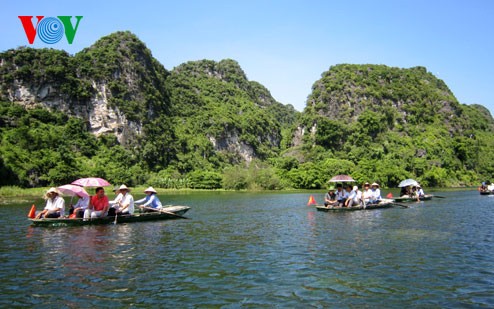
99, 203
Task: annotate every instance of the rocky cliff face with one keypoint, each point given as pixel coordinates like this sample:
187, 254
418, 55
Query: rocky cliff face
119, 88
96, 84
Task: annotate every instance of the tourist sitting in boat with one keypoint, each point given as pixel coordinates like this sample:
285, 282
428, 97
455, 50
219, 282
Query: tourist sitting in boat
114, 204
367, 193
55, 205
375, 196
330, 198
341, 195
98, 205
126, 205
354, 196
77, 210
420, 191
405, 192
151, 201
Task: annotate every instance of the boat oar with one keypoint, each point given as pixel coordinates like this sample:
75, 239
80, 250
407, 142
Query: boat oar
116, 215
401, 205
438, 196
165, 212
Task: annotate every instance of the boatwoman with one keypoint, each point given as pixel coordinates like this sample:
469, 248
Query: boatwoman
150, 201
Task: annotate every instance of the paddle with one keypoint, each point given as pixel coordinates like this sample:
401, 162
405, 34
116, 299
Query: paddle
165, 212
438, 196
116, 215
401, 205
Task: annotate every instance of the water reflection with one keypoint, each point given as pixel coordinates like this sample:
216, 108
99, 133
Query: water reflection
258, 250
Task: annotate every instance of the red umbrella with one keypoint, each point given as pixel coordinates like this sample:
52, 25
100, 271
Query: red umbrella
91, 182
341, 178
73, 190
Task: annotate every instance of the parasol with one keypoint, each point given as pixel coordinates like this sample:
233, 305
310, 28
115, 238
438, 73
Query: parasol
73, 190
408, 182
341, 178
91, 182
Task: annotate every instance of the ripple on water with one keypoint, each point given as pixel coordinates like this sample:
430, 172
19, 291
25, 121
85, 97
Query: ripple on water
258, 250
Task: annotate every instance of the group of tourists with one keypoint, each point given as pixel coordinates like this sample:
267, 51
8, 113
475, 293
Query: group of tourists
349, 196
98, 205
412, 191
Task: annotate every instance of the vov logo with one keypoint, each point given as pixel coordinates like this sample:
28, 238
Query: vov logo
50, 30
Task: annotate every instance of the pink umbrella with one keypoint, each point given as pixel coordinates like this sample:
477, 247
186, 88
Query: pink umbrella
341, 178
73, 190
91, 182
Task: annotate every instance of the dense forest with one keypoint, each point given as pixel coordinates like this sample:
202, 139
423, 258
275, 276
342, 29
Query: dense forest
113, 111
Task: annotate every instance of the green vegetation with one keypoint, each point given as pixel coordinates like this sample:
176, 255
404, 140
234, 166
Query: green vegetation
204, 125
394, 123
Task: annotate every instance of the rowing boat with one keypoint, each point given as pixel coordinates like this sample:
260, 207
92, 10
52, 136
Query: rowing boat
487, 192
413, 199
167, 213
384, 203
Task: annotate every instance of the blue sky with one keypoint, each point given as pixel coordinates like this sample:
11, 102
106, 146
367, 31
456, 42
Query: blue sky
286, 45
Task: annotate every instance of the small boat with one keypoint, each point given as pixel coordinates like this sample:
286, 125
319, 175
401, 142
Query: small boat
384, 203
413, 199
167, 213
487, 192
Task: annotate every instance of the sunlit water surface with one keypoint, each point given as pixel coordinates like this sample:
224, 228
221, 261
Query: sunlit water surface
257, 250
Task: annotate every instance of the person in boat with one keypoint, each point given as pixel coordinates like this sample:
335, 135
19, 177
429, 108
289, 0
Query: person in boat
151, 200
375, 196
405, 192
126, 205
354, 196
114, 203
341, 195
98, 205
366, 193
420, 191
483, 187
330, 198
78, 209
55, 205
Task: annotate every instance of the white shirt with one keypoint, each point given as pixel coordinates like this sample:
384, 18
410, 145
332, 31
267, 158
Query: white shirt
356, 196
376, 194
367, 194
341, 195
56, 204
128, 199
116, 200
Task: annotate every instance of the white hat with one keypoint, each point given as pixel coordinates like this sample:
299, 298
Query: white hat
375, 184
123, 187
355, 188
53, 190
150, 189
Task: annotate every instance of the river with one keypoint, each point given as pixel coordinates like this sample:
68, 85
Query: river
257, 250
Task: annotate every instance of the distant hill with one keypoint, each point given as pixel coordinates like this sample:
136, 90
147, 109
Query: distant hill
389, 123
114, 111
202, 115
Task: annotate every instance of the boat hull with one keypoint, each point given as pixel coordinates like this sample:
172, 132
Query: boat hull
383, 204
413, 199
174, 213
486, 192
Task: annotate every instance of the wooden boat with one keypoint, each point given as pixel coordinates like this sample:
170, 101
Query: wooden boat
413, 199
384, 203
172, 212
486, 192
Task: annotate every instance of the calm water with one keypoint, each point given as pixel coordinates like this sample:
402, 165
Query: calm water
258, 250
